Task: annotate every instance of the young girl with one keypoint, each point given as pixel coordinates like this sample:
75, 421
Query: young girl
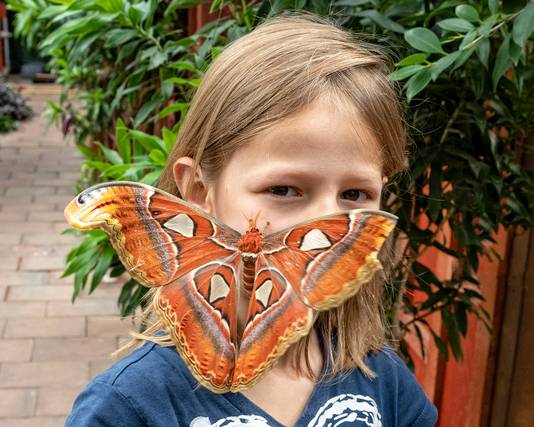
297, 120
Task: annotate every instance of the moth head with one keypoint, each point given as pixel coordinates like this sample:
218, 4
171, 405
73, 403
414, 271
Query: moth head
253, 223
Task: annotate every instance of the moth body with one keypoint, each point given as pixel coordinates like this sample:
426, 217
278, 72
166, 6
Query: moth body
251, 242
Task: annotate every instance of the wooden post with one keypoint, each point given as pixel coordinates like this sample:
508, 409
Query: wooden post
199, 15
3, 14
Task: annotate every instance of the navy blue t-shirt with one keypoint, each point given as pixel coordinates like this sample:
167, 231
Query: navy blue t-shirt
153, 387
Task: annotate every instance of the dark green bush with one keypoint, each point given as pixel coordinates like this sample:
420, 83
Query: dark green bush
13, 107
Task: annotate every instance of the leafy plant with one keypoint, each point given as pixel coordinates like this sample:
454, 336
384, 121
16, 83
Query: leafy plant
13, 107
127, 74
466, 71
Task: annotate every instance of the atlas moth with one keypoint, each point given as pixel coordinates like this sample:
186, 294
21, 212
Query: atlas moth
200, 266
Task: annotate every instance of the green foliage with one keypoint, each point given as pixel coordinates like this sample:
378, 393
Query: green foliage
468, 80
93, 254
12, 107
7, 124
466, 70
467, 33
127, 73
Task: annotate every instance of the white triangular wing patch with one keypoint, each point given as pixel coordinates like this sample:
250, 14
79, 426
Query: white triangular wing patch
218, 288
263, 292
182, 224
314, 239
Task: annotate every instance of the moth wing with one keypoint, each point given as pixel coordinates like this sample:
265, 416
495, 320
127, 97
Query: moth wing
276, 318
327, 260
157, 236
199, 310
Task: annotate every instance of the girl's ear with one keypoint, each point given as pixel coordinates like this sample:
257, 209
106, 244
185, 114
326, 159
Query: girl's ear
183, 173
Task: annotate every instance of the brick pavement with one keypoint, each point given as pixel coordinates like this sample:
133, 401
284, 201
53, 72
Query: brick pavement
49, 348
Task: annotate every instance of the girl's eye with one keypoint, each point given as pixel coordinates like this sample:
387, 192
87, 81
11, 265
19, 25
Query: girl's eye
356, 195
283, 191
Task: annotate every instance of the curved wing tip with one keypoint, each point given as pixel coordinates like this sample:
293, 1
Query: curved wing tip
382, 213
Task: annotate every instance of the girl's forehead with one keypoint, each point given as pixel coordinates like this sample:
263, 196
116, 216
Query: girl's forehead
318, 130
316, 148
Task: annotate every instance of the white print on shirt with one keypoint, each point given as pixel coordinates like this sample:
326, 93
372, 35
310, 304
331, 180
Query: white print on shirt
242, 420
343, 409
347, 408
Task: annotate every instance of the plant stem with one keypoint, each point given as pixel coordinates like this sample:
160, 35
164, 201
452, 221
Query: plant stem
450, 122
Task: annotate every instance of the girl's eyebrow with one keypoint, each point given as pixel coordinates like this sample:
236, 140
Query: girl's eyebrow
281, 173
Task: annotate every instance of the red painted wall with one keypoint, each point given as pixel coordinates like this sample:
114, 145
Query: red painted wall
457, 388
463, 387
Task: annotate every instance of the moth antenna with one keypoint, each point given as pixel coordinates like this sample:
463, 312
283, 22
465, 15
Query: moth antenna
256, 219
267, 223
247, 219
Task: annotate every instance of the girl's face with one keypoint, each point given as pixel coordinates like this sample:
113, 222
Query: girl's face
312, 164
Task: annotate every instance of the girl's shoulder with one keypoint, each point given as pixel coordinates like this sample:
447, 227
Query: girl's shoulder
388, 364
148, 364
393, 395
133, 388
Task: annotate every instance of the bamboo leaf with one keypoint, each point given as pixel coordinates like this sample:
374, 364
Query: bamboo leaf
502, 62
123, 141
524, 25
405, 72
413, 59
158, 157
157, 59
425, 277
183, 65
441, 295
493, 6
487, 25
169, 138
456, 25
181, 4
104, 261
435, 186
467, 12
149, 142
181, 81
381, 20
151, 178
177, 106
442, 347
442, 64
351, 2
111, 155
417, 83
452, 333
119, 36
146, 109
461, 318
483, 51
79, 262
424, 40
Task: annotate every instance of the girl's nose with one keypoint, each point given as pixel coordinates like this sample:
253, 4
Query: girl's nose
324, 206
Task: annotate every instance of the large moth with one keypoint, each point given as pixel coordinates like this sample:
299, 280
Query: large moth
200, 266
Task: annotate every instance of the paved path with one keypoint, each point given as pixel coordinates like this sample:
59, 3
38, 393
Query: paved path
49, 348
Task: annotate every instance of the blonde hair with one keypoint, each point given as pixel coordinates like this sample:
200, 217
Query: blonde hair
275, 71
